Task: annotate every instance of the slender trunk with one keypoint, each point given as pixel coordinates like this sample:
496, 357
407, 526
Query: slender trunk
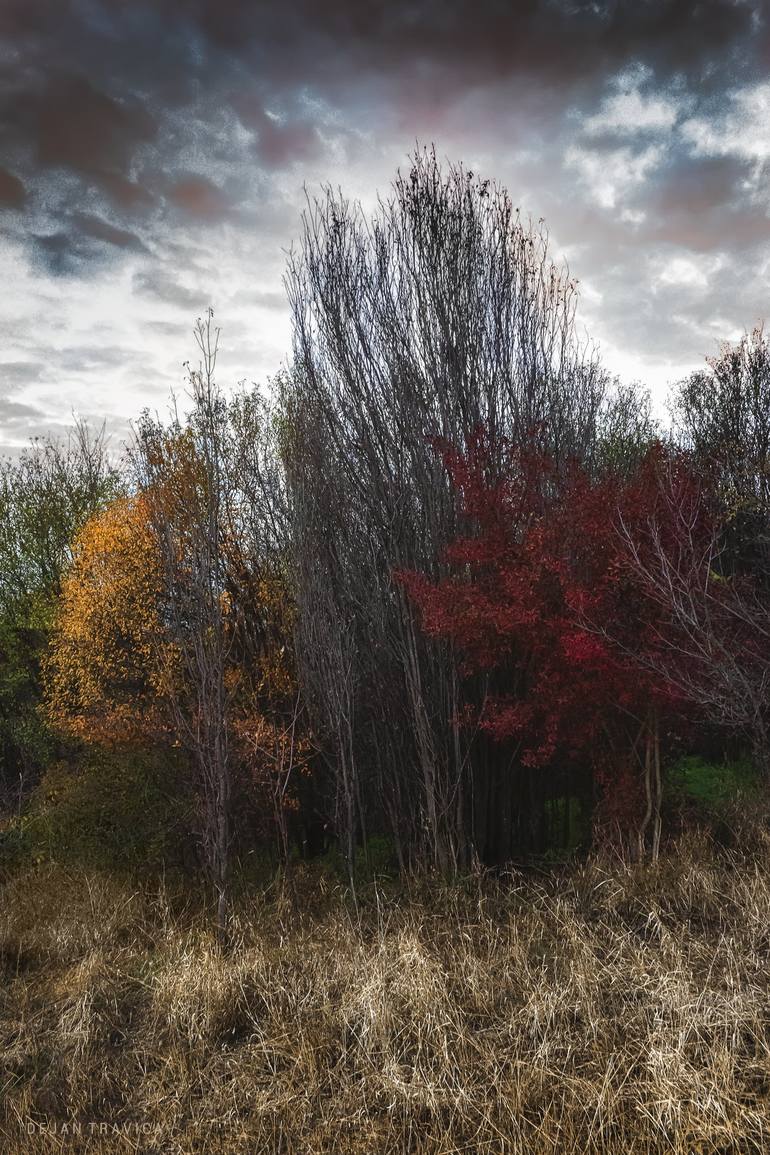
657, 791
653, 790
648, 809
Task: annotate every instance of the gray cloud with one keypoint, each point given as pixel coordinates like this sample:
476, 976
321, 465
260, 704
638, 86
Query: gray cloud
16, 414
155, 153
84, 239
15, 373
101, 230
165, 286
198, 197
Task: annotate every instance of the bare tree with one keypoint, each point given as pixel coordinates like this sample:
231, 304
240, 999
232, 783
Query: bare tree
183, 472
213, 485
723, 414
440, 313
713, 646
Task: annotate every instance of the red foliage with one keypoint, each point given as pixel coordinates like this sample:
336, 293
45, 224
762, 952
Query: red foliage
542, 597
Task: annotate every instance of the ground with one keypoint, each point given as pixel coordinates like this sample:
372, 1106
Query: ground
590, 1008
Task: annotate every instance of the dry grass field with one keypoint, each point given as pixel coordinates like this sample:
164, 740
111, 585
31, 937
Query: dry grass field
590, 1009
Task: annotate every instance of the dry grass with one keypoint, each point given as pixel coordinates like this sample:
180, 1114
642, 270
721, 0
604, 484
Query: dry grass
589, 1011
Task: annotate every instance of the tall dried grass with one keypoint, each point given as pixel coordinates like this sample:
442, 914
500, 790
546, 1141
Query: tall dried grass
588, 1010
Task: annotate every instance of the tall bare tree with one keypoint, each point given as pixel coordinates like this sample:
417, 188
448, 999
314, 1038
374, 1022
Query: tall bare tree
441, 312
213, 486
182, 470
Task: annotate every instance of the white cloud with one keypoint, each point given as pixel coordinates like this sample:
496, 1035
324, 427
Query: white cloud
742, 129
629, 111
691, 271
610, 176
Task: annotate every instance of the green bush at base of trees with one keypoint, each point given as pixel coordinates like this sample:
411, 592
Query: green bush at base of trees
126, 812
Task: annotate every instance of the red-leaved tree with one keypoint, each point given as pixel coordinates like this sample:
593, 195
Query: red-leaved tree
548, 602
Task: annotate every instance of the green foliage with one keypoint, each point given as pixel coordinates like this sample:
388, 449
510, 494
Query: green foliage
114, 811
25, 741
379, 859
45, 496
626, 430
15, 848
709, 787
569, 827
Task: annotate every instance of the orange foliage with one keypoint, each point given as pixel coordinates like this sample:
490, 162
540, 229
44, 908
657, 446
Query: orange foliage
112, 665
109, 658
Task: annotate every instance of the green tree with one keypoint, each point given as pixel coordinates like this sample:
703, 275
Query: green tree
46, 495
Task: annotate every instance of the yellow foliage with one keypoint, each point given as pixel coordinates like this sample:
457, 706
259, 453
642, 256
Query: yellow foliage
112, 666
108, 659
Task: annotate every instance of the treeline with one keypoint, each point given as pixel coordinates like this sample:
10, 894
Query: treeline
446, 583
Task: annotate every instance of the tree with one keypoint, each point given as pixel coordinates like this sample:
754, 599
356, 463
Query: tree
723, 413
110, 660
214, 501
442, 311
715, 647
46, 495
543, 608
118, 674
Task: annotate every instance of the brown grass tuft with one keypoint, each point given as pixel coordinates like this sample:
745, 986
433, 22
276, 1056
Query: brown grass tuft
592, 1010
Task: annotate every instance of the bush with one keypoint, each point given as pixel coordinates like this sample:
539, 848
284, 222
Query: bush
711, 786
15, 848
378, 860
113, 811
725, 797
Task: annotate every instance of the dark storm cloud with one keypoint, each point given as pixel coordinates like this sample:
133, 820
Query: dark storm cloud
700, 184
12, 192
197, 196
484, 40
280, 140
126, 194
80, 128
59, 253
171, 46
99, 83
162, 146
100, 230
706, 204
71, 124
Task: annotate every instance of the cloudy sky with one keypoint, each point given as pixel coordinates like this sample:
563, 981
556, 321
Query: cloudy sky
153, 158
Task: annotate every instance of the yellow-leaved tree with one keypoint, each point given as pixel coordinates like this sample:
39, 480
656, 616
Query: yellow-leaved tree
109, 660
175, 621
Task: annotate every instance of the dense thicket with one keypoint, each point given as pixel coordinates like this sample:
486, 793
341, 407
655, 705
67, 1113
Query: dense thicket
450, 585
440, 314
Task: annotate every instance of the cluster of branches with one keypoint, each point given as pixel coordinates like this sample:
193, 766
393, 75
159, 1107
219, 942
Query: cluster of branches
451, 566
442, 312
174, 623
439, 317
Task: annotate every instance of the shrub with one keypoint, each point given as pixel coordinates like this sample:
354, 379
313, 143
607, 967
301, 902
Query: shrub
708, 788
118, 811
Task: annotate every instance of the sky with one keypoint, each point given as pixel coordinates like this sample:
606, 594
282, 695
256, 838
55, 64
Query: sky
155, 158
